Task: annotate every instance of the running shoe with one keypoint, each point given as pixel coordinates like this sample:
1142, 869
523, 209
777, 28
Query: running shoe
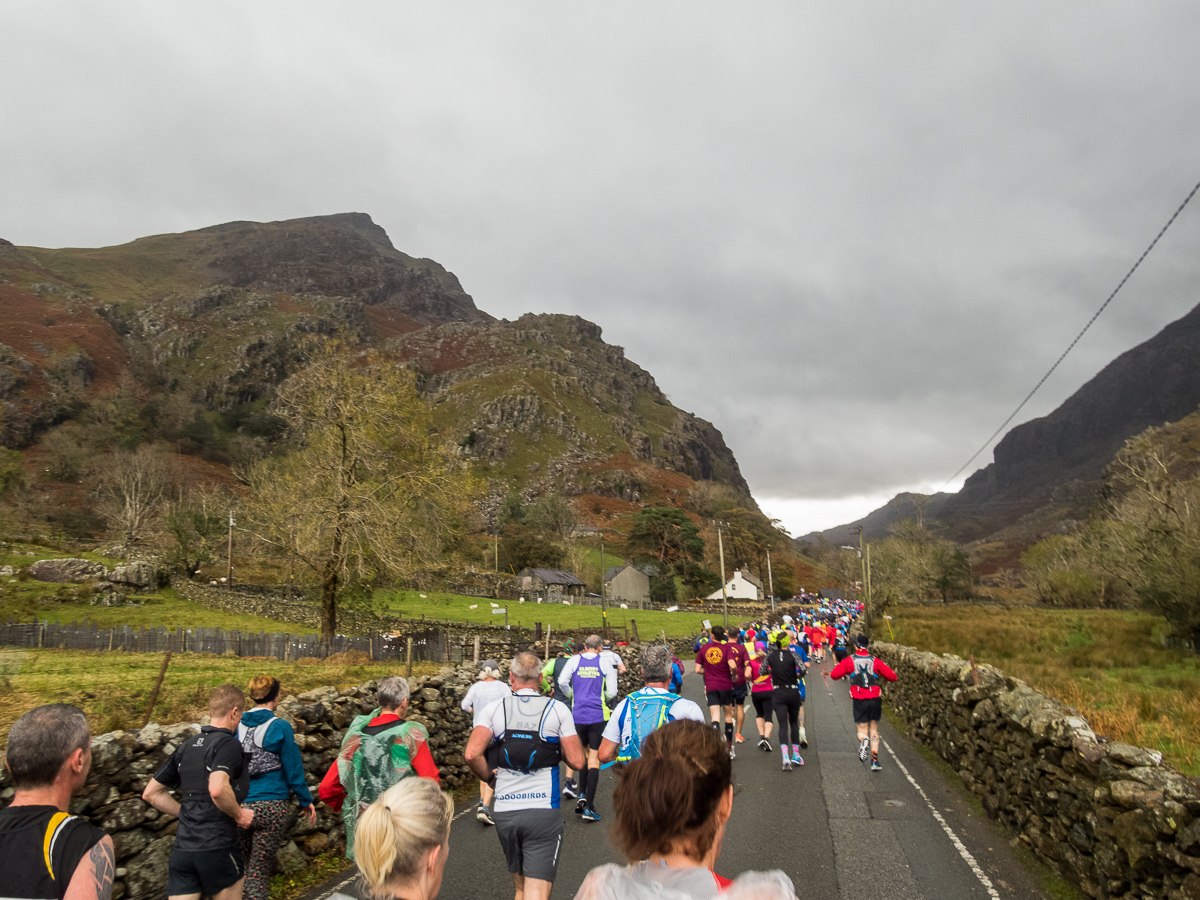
569, 789
876, 767
864, 749
803, 739
740, 739
580, 806
798, 759
787, 765
590, 815
765, 744
484, 815
732, 752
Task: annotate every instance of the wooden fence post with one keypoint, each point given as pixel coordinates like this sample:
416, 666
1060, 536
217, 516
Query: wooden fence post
408, 657
633, 625
477, 651
548, 629
162, 673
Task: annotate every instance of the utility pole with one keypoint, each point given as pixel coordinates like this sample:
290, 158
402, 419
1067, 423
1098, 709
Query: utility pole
291, 557
603, 607
770, 581
229, 573
721, 550
866, 594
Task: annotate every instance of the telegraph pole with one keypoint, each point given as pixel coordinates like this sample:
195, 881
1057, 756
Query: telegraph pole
229, 574
770, 581
603, 607
865, 592
721, 551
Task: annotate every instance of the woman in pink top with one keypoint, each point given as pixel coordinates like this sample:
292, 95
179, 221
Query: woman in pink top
760, 694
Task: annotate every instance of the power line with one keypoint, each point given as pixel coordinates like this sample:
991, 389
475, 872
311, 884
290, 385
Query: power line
1071, 346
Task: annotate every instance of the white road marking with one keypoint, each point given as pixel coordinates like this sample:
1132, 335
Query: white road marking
958, 844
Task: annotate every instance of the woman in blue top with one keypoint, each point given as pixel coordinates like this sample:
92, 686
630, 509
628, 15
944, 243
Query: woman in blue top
275, 769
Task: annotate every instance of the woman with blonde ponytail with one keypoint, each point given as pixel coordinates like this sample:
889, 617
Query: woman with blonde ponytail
402, 839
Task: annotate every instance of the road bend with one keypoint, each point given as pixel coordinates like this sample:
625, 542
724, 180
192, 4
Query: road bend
836, 828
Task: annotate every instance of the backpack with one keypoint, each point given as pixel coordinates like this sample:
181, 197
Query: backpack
259, 761
676, 683
520, 745
864, 672
646, 712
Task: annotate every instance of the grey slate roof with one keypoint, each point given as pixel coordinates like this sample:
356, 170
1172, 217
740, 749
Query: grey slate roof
557, 576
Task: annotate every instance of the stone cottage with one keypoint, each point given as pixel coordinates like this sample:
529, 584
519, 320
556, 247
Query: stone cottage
549, 584
627, 584
743, 585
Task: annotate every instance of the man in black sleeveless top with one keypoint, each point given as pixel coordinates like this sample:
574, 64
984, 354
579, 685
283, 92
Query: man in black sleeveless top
213, 779
46, 851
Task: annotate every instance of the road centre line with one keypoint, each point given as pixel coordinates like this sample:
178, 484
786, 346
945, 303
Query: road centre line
958, 844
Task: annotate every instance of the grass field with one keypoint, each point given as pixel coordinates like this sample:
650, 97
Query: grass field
1110, 665
453, 607
114, 688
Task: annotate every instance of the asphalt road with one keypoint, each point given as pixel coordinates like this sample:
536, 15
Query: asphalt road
837, 829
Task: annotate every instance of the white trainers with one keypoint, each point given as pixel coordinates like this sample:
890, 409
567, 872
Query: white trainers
864, 749
803, 739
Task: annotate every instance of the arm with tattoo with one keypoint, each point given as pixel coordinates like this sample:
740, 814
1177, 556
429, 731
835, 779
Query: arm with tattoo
93, 877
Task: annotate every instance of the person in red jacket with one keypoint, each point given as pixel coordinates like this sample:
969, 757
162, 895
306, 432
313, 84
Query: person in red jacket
865, 671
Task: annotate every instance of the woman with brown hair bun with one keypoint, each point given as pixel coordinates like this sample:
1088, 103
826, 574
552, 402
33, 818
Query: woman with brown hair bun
275, 770
671, 806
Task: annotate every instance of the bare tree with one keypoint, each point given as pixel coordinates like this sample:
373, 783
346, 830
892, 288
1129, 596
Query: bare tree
130, 487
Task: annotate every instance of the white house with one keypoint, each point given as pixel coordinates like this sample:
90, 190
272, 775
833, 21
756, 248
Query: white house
742, 585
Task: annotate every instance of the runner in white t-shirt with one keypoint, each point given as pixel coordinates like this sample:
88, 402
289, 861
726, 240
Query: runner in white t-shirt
533, 733
643, 711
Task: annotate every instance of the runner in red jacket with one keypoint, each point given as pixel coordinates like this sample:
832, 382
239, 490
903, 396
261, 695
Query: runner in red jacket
864, 671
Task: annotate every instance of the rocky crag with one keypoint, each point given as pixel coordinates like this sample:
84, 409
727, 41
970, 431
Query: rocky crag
1058, 460
184, 337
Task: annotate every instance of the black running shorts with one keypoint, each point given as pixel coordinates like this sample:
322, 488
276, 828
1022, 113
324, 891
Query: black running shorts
590, 734
205, 872
739, 694
868, 710
531, 840
719, 698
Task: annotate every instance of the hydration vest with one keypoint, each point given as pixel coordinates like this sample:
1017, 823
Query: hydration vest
520, 745
259, 761
645, 712
864, 672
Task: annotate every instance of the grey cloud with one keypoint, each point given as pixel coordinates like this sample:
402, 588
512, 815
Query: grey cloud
851, 236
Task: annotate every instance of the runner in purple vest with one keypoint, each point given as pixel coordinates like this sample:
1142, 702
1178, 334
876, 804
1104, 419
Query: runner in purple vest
589, 679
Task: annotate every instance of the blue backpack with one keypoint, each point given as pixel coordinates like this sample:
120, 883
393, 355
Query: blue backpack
646, 712
676, 677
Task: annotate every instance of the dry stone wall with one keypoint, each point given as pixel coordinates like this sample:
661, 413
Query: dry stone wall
1109, 816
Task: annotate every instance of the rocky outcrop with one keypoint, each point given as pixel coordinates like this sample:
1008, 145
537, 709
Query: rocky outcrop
1109, 816
65, 571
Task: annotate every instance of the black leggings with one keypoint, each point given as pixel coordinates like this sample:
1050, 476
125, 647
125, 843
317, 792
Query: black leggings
787, 705
762, 704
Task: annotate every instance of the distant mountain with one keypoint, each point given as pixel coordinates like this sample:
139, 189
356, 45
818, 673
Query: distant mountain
1046, 459
192, 332
875, 525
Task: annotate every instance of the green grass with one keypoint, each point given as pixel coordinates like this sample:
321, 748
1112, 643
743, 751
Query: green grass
114, 688
1108, 664
456, 608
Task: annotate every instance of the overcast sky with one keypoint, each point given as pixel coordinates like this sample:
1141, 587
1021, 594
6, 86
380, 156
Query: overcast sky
851, 235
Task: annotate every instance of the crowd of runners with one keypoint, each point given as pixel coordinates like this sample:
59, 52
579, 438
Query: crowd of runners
673, 796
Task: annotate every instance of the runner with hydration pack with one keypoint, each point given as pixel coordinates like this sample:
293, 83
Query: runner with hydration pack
643, 711
760, 694
533, 734
590, 680
787, 674
865, 671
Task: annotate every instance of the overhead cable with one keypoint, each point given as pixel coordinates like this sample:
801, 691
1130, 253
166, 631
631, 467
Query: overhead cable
1071, 346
